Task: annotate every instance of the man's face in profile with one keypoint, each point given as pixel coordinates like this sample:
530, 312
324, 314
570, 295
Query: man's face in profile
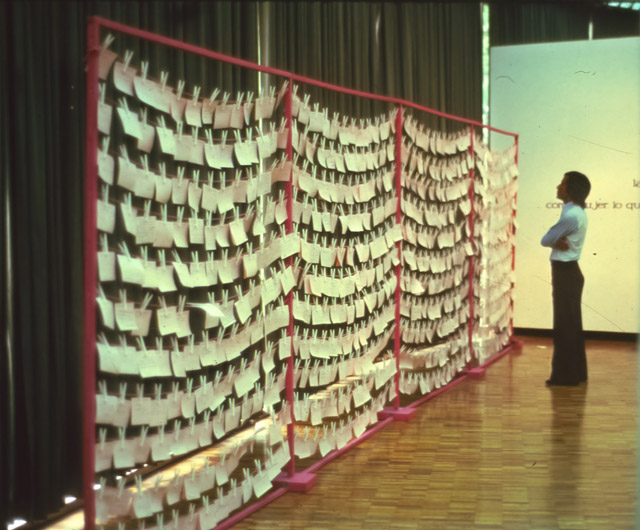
562, 190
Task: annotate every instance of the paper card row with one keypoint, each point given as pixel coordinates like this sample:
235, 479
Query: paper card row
357, 190
323, 370
128, 452
415, 306
194, 192
127, 360
496, 226
433, 215
436, 262
439, 216
343, 313
485, 347
430, 240
136, 318
218, 114
497, 175
375, 260
337, 436
153, 497
329, 219
315, 408
500, 294
258, 484
196, 111
419, 284
460, 315
326, 188
434, 308
498, 273
410, 383
316, 121
434, 191
489, 292
369, 243
495, 252
322, 285
423, 168
347, 160
484, 153
171, 320
154, 274
353, 334
191, 148
500, 318
161, 233
144, 410
363, 157
426, 331
337, 399
431, 356
505, 196
435, 141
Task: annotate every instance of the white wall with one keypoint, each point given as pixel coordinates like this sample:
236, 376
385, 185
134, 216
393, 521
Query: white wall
576, 106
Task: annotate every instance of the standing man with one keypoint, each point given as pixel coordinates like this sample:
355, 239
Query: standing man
566, 238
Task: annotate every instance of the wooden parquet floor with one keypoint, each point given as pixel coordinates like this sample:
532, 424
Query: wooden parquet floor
504, 452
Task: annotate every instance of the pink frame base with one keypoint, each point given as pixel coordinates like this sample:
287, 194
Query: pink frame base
301, 481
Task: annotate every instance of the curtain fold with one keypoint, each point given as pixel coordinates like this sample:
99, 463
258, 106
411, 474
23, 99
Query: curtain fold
7, 377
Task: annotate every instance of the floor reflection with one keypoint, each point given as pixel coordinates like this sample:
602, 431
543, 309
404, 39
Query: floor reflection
567, 406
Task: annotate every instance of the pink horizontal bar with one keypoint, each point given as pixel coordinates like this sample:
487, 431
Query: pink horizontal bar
436, 393
153, 37
230, 521
335, 454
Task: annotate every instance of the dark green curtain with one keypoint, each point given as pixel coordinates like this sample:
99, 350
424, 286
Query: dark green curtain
533, 22
42, 75
428, 53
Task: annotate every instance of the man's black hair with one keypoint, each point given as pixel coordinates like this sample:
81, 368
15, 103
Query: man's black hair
578, 187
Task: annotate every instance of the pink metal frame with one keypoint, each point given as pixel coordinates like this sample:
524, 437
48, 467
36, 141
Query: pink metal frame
91, 193
471, 238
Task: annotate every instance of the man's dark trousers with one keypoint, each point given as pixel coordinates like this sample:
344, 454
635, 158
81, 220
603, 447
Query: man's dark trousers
569, 363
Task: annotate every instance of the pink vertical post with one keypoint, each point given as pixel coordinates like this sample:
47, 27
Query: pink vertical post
471, 237
305, 480
90, 274
396, 347
291, 468
513, 243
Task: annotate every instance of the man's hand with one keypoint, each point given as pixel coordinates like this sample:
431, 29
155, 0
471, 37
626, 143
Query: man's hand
562, 244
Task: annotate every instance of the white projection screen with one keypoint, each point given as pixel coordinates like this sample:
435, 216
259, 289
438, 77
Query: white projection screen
576, 106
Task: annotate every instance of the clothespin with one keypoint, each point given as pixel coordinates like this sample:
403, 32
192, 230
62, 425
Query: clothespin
239, 99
